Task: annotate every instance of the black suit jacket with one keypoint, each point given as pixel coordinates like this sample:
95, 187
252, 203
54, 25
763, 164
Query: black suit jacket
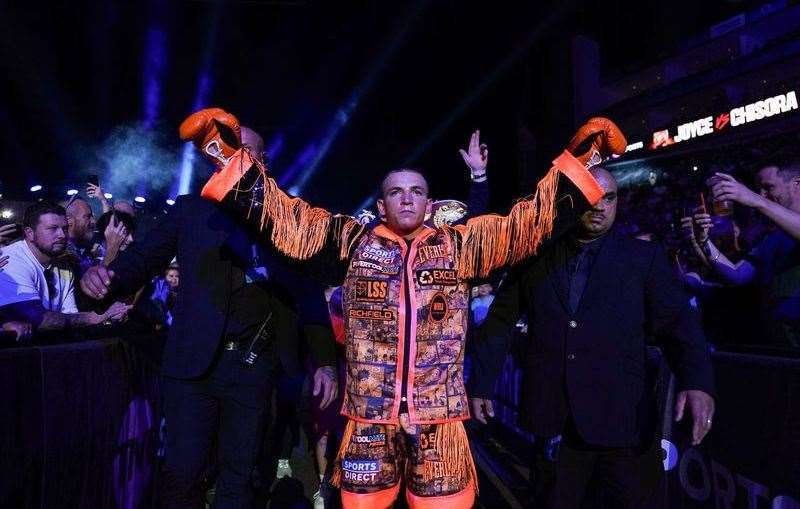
591, 363
208, 243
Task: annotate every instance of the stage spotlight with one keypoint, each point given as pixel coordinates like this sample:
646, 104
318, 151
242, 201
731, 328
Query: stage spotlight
187, 168
36, 188
301, 161
155, 64
341, 117
72, 192
139, 199
7, 214
694, 168
108, 196
366, 204
544, 24
170, 201
203, 87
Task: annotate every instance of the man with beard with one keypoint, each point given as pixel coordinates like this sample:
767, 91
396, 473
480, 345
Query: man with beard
80, 232
34, 286
774, 263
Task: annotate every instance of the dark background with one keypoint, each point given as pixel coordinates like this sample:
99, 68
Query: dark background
411, 78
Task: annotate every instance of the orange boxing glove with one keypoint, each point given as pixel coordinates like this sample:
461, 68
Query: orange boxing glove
215, 132
597, 140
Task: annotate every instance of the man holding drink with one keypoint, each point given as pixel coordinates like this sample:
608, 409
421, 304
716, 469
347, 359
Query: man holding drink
774, 263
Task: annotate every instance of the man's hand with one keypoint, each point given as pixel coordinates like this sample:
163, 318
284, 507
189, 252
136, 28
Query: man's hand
476, 156
6, 233
115, 234
117, 312
93, 191
702, 225
24, 330
687, 227
726, 187
702, 408
325, 381
96, 281
482, 409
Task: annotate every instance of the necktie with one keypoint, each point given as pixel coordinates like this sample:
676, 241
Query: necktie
578, 275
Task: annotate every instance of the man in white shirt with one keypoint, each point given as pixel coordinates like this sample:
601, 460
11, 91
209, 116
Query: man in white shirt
34, 287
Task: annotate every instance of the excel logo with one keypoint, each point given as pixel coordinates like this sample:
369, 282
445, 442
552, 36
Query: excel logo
446, 277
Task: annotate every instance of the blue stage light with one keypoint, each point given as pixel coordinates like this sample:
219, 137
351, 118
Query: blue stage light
154, 66
342, 116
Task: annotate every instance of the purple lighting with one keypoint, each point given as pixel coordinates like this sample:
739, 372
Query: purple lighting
203, 87
343, 114
305, 156
188, 157
204, 83
154, 64
275, 146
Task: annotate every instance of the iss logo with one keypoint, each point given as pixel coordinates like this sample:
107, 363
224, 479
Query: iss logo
371, 290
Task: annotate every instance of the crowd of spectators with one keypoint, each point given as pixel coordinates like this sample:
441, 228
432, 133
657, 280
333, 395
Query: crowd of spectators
738, 257
741, 265
43, 256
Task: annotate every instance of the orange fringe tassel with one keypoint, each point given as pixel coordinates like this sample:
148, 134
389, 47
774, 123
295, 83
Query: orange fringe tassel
486, 242
452, 446
298, 229
336, 478
492, 241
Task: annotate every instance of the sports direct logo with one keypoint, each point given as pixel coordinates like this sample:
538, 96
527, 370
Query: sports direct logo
361, 471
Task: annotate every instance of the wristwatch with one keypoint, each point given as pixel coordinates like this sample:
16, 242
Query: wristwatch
478, 177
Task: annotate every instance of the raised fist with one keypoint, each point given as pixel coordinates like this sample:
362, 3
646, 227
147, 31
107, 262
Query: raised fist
215, 132
597, 140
